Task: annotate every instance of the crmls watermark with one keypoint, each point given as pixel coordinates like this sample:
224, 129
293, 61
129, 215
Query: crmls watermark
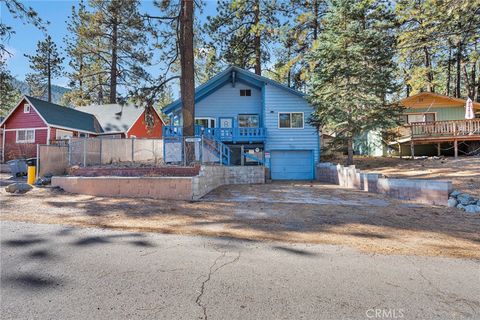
385, 313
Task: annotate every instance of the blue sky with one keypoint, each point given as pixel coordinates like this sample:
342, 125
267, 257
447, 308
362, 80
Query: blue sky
26, 36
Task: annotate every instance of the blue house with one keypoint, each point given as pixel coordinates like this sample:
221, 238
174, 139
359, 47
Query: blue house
255, 119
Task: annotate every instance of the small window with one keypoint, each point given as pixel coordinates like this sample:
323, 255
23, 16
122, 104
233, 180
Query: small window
290, 120
25, 136
245, 92
477, 115
63, 134
403, 119
205, 122
83, 135
421, 117
26, 108
248, 120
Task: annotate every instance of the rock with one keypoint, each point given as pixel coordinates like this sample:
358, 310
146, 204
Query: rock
452, 202
455, 193
472, 208
460, 206
465, 199
18, 187
478, 203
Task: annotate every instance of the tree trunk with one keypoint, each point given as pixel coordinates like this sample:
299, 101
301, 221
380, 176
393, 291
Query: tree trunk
187, 80
113, 67
428, 65
257, 41
458, 75
473, 76
449, 71
349, 151
49, 76
315, 19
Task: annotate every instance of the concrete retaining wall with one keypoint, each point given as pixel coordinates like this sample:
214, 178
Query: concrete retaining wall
423, 191
172, 188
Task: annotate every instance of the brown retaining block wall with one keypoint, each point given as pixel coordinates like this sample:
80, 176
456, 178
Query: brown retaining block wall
166, 171
424, 191
169, 188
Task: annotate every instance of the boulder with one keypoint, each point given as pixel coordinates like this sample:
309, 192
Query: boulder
473, 208
18, 187
455, 193
452, 202
460, 206
466, 199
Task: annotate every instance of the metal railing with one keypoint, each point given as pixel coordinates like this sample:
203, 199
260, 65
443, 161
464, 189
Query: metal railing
196, 150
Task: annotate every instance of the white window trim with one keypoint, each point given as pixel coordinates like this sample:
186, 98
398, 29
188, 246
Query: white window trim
209, 121
63, 133
248, 114
290, 112
418, 113
26, 107
25, 141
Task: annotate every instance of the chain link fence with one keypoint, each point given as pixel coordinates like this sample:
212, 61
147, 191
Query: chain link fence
196, 150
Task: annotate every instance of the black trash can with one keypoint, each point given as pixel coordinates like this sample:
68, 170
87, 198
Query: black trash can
32, 162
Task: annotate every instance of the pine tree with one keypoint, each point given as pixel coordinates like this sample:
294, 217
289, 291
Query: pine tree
296, 41
19, 11
46, 65
244, 29
9, 95
109, 49
353, 70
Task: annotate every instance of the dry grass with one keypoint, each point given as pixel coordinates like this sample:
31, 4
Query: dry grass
327, 214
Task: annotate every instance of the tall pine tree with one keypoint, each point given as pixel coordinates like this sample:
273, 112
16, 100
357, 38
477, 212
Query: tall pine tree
353, 70
245, 29
9, 95
46, 65
109, 48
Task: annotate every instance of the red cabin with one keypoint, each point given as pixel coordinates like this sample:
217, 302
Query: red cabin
34, 121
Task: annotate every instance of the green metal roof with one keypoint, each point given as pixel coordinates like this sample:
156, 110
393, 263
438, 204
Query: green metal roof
57, 115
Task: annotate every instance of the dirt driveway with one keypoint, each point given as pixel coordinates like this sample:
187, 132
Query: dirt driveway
297, 212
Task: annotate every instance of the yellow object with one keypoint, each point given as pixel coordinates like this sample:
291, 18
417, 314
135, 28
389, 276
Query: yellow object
31, 175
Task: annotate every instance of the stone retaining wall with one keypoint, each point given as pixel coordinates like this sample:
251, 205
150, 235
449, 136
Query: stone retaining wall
423, 191
166, 171
172, 188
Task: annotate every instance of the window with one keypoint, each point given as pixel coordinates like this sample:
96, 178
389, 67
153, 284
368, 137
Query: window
26, 108
420, 117
248, 120
205, 122
245, 92
477, 115
63, 134
403, 118
83, 135
25, 136
292, 120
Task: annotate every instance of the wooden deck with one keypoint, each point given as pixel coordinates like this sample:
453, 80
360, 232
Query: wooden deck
438, 132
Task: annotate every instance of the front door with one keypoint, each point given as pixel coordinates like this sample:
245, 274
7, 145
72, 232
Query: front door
226, 128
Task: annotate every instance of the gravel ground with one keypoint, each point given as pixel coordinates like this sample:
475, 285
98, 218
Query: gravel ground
294, 212
464, 172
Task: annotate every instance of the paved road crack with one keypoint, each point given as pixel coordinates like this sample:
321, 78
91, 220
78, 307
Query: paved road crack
212, 270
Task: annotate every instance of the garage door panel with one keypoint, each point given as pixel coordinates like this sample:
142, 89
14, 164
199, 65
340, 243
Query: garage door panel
292, 165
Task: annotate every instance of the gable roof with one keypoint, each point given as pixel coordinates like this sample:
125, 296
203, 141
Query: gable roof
59, 116
231, 73
114, 118
430, 99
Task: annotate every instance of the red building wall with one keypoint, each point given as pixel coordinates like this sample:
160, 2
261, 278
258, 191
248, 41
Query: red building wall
140, 130
20, 120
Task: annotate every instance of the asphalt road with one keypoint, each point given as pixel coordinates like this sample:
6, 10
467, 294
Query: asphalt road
59, 272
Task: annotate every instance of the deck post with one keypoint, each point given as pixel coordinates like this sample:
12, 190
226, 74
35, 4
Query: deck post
439, 152
400, 150
455, 147
412, 149
242, 157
